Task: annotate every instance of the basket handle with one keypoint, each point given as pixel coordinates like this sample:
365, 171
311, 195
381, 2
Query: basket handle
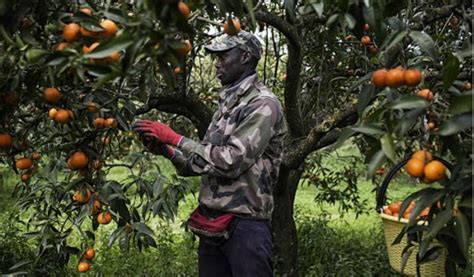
380, 198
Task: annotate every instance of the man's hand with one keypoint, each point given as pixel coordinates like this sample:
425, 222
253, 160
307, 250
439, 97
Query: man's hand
155, 146
159, 130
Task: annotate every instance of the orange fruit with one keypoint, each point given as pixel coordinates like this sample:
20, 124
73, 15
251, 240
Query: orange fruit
412, 77
349, 37
431, 125
71, 32
365, 40
232, 31
96, 206
434, 171
184, 9
177, 70
425, 212
185, 48
422, 155
11, 98
467, 86
78, 160
52, 95
378, 78
366, 27
106, 140
92, 107
387, 211
99, 123
52, 113
395, 77
36, 156
86, 11
5, 140
415, 168
62, 116
61, 46
395, 214
87, 50
372, 50
24, 163
110, 123
82, 196
104, 217
114, 57
89, 254
407, 215
110, 28
25, 177
282, 77
83, 267
394, 207
426, 94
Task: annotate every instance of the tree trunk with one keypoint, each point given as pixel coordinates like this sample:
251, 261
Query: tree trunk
285, 243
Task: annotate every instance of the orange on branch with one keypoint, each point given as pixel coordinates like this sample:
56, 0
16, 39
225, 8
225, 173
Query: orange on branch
415, 168
82, 196
422, 155
86, 11
92, 107
412, 77
89, 254
467, 86
25, 177
23, 163
228, 28
378, 78
185, 48
426, 94
110, 28
61, 46
83, 267
36, 156
52, 95
184, 9
5, 140
62, 116
366, 27
71, 32
78, 160
104, 218
434, 171
365, 40
99, 123
395, 77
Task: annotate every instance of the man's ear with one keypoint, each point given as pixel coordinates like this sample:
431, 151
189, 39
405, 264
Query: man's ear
246, 57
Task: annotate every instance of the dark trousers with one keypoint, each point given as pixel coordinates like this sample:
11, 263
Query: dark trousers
248, 252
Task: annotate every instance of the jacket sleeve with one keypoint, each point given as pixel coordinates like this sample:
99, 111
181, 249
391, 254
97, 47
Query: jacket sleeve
243, 147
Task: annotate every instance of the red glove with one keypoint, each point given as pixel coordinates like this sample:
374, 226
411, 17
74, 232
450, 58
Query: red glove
159, 130
156, 147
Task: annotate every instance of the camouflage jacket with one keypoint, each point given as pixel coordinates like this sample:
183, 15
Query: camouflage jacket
240, 155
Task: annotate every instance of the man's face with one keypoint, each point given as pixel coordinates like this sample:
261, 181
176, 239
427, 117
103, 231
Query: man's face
230, 65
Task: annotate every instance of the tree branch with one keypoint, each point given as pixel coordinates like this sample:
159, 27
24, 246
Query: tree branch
320, 136
293, 69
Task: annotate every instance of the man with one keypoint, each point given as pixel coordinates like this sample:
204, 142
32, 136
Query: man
239, 160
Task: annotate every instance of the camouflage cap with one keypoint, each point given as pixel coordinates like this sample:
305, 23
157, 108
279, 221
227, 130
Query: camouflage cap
243, 40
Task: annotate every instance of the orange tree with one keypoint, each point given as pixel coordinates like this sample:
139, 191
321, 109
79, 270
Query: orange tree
76, 73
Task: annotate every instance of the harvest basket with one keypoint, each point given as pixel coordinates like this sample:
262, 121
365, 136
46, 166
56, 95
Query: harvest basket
392, 227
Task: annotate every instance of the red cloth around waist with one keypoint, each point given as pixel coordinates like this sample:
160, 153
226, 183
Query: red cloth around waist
218, 224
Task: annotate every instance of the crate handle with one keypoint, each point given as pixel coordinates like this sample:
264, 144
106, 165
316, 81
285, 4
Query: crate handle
383, 188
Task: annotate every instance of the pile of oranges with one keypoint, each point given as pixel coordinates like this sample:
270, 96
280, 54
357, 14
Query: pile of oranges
84, 264
393, 209
421, 165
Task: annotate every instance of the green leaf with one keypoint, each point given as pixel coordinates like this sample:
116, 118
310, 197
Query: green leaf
142, 228
250, 8
345, 134
332, 19
396, 38
388, 147
119, 43
450, 71
405, 256
462, 229
365, 96
407, 121
368, 129
350, 20
461, 104
408, 102
456, 124
376, 162
318, 8
431, 255
426, 43
116, 15
290, 7
441, 219
33, 55
20, 264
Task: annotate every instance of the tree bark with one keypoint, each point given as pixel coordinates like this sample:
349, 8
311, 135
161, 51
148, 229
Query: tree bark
285, 242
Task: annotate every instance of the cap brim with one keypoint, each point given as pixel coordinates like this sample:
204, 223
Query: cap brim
217, 48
